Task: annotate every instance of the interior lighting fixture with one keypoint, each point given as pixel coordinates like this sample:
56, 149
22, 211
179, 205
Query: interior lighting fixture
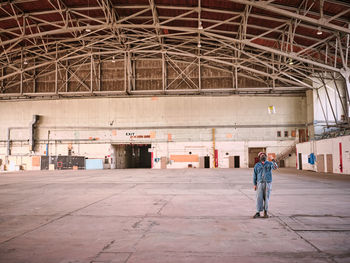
200, 27
319, 31
25, 62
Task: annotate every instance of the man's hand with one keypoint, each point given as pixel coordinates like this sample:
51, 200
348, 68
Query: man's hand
254, 187
274, 163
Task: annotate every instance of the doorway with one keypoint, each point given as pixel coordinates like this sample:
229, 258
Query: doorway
320, 163
237, 161
281, 164
163, 162
253, 156
233, 161
302, 136
206, 162
132, 156
300, 161
329, 158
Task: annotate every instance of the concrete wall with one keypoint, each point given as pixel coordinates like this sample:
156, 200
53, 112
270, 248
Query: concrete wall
225, 149
90, 127
324, 147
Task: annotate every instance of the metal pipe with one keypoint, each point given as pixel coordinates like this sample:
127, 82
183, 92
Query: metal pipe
173, 127
32, 132
214, 148
8, 141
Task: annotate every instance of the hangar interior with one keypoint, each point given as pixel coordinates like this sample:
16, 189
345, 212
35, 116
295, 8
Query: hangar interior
114, 114
174, 84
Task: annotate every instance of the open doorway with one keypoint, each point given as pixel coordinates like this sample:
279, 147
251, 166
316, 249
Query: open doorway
132, 156
300, 161
206, 162
237, 161
233, 161
253, 155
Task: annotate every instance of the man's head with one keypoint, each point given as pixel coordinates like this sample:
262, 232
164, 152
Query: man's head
262, 156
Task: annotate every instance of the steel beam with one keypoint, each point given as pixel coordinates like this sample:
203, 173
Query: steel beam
271, 8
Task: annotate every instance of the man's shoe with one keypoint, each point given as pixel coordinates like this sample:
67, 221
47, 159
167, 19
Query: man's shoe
266, 215
256, 215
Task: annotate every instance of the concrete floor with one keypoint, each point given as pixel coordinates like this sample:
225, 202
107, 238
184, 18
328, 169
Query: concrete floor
177, 216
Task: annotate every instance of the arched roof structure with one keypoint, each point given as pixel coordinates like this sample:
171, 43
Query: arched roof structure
260, 47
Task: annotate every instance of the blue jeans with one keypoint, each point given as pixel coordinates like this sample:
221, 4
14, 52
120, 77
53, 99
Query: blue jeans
262, 196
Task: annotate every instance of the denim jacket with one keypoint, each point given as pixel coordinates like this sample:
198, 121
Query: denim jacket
258, 172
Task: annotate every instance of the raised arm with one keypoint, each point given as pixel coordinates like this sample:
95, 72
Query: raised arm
274, 165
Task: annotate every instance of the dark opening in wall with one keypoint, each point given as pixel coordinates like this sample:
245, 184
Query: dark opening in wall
206, 162
132, 156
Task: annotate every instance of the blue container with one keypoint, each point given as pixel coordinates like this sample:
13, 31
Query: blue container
94, 164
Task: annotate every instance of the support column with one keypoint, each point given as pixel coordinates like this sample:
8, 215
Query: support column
67, 75
133, 67
56, 77
129, 72
34, 77
164, 73
236, 78
99, 72
56, 71
91, 71
346, 75
2, 88
214, 159
125, 74
21, 80
199, 74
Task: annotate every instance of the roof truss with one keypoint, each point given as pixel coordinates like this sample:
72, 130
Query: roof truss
277, 53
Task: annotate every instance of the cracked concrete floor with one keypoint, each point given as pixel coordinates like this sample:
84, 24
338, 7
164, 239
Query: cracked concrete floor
193, 215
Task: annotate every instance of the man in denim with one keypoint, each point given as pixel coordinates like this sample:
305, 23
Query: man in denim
262, 180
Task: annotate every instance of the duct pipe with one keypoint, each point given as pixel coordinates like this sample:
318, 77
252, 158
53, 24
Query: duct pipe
32, 132
8, 141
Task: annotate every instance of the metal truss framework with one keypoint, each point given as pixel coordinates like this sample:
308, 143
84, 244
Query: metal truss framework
278, 47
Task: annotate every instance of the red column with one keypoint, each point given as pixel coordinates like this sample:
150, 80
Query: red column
216, 158
340, 158
151, 159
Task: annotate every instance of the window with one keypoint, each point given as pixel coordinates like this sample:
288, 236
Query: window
285, 133
278, 133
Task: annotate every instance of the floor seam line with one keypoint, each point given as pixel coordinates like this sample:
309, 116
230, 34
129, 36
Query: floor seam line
60, 217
